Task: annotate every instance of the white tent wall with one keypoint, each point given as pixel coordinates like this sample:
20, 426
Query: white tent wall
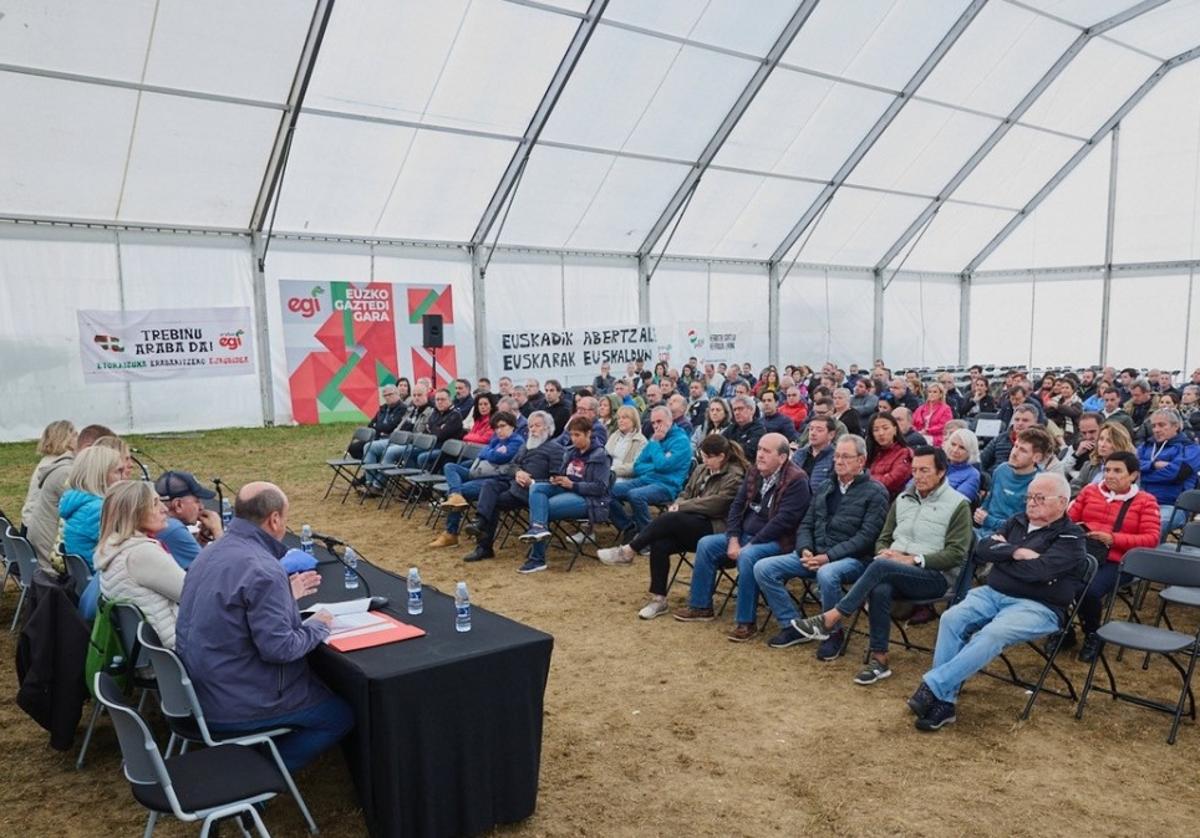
921, 320
1001, 317
824, 315
1148, 320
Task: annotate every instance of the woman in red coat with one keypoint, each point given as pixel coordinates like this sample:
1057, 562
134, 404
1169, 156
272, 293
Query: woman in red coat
889, 459
481, 430
1096, 509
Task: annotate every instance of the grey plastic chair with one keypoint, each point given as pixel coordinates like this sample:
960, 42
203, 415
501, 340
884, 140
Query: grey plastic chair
1168, 568
206, 785
127, 617
78, 571
18, 549
184, 715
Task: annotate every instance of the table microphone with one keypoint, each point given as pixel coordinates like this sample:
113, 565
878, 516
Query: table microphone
330, 540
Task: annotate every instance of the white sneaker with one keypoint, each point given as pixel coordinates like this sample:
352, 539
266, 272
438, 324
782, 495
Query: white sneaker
653, 608
614, 556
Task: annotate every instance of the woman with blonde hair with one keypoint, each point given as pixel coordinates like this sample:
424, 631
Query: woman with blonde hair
625, 445
95, 469
56, 448
1113, 437
133, 567
123, 450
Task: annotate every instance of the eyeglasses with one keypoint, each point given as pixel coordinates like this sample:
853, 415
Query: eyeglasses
846, 456
1039, 500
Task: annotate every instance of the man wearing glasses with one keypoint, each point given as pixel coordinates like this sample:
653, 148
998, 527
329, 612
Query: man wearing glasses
745, 430
1038, 562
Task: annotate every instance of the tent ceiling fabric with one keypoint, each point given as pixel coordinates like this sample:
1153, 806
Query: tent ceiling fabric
415, 109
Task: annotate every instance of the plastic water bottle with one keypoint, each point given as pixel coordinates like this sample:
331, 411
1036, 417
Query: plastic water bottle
306, 539
226, 511
416, 604
350, 559
462, 608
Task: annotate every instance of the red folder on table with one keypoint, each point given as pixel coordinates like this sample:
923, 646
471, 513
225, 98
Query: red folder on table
386, 629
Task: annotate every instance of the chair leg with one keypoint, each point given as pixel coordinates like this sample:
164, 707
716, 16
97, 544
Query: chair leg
1087, 685
150, 822
291, 784
1184, 692
170, 746
20, 602
87, 736
1158, 618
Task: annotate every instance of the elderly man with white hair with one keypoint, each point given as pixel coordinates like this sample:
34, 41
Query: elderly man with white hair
1038, 560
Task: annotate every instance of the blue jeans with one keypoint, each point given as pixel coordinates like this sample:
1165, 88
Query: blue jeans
882, 579
456, 479
550, 503
425, 457
972, 633
640, 492
392, 455
314, 729
772, 575
710, 555
1166, 513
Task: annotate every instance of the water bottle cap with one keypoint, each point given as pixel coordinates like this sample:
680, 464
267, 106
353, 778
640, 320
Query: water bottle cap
462, 586
412, 571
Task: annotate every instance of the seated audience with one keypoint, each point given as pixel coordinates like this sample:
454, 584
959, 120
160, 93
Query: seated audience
94, 470
416, 420
898, 395
1117, 516
762, 522
626, 444
57, 450
845, 413
1064, 408
889, 459
1037, 560
1111, 410
466, 482
911, 437
124, 452
996, 451
41, 524
462, 399
919, 554
1112, 437
184, 500
816, 458
745, 430
481, 427
1017, 396
962, 453
697, 407
577, 489
602, 384
930, 419
678, 406
247, 657
772, 420
864, 401
834, 543
980, 401
794, 407
385, 420
953, 397
606, 411
1087, 427
699, 511
717, 418
658, 475
1011, 480
534, 400
1142, 402
1169, 463
130, 560
556, 406
445, 423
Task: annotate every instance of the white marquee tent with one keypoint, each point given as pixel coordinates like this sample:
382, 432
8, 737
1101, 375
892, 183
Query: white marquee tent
1009, 181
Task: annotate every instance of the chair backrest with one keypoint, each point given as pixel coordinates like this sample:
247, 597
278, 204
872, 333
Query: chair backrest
1191, 536
127, 619
470, 450
1188, 502
79, 572
451, 450
423, 442
19, 549
363, 435
144, 764
176, 695
400, 437
1164, 566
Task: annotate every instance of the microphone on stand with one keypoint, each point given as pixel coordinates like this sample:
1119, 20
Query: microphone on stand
145, 472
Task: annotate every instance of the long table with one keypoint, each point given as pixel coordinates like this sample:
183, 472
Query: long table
448, 727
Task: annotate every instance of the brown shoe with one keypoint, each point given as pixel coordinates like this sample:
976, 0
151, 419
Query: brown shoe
455, 501
444, 540
693, 615
742, 632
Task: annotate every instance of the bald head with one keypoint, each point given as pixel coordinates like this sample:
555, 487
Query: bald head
773, 452
264, 505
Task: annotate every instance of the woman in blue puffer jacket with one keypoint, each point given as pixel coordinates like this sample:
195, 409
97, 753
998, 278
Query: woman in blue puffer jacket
95, 469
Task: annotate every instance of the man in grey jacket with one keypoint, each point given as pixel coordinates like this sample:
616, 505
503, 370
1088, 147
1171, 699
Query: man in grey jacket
240, 634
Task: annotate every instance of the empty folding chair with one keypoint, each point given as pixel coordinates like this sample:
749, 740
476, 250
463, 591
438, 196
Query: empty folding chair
1187, 507
1168, 568
346, 467
185, 717
205, 785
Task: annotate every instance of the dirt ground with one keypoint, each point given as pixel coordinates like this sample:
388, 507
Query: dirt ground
661, 727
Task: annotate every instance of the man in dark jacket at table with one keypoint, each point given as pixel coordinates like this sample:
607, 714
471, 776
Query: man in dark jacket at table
240, 634
1038, 562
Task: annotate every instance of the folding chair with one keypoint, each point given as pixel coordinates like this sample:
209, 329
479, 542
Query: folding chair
346, 467
1189, 540
1050, 653
421, 485
78, 571
723, 575
127, 619
396, 477
205, 785
185, 717
1187, 505
395, 438
1170, 569
18, 550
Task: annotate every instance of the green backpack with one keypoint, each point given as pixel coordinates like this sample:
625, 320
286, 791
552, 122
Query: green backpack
105, 651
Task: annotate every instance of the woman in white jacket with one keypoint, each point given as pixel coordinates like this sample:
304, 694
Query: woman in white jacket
133, 567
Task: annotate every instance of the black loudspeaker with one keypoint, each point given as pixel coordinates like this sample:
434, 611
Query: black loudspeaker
431, 331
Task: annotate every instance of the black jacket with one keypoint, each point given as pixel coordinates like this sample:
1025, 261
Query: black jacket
853, 528
51, 653
560, 413
387, 419
746, 436
1054, 578
446, 426
784, 505
539, 462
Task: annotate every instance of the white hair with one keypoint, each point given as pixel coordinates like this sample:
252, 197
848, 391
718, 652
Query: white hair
967, 439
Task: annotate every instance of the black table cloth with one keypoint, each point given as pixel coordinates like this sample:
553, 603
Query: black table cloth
448, 727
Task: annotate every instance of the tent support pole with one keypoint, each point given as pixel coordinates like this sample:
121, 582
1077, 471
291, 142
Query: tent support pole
964, 320
774, 274
877, 330
262, 337
1110, 227
479, 304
